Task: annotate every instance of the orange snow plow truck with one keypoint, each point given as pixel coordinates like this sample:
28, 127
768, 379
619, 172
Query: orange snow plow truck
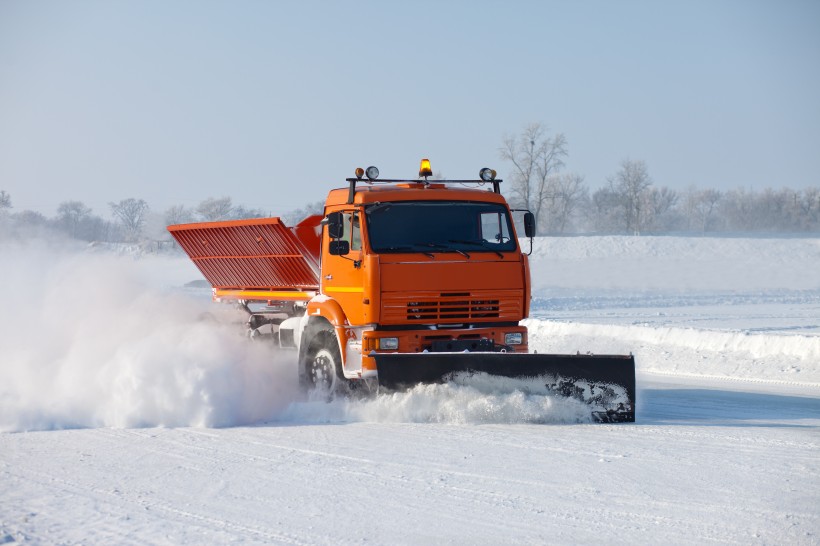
400, 282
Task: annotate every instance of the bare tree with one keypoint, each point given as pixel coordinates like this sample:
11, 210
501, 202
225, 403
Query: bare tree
131, 214
771, 210
5, 201
659, 209
806, 210
604, 210
568, 192
214, 209
701, 206
536, 157
629, 184
811, 200
294, 217
70, 214
94, 228
30, 219
178, 214
242, 212
5, 207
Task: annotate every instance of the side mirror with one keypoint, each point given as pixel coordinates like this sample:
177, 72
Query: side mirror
529, 224
335, 225
339, 248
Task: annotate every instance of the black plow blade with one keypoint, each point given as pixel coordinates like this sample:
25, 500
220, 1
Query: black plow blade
605, 382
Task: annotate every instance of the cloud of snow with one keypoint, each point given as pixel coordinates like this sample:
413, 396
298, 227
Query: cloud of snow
478, 399
94, 339
90, 340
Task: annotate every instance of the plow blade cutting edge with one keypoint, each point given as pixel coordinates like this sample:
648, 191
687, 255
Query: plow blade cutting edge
605, 382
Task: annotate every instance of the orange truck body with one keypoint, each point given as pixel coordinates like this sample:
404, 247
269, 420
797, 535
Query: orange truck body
414, 297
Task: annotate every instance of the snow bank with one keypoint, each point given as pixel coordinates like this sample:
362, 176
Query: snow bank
730, 306
735, 355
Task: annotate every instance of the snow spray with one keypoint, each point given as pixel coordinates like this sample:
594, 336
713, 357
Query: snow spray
466, 399
95, 339
87, 340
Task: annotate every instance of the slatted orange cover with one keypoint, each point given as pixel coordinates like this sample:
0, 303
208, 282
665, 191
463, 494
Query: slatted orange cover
260, 254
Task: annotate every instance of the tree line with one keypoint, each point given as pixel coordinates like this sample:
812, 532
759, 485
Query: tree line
630, 202
562, 202
131, 220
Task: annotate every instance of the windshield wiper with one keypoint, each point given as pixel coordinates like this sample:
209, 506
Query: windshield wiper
445, 247
377, 207
407, 249
482, 244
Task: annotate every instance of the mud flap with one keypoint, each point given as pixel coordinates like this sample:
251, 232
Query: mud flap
605, 382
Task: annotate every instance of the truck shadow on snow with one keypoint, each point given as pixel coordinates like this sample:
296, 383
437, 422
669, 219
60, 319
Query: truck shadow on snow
711, 407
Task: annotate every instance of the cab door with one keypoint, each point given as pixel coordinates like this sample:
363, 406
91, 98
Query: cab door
342, 276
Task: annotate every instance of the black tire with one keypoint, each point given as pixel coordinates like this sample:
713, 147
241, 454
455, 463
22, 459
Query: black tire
323, 363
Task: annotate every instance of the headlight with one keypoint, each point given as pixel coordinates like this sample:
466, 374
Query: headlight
514, 338
388, 343
487, 174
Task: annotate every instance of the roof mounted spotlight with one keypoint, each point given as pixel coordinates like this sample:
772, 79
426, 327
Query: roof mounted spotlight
372, 172
487, 174
359, 173
424, 169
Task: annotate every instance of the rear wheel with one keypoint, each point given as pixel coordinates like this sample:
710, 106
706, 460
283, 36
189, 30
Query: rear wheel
323, 363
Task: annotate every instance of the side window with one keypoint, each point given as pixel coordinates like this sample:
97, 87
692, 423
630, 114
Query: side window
494, 228
353, 232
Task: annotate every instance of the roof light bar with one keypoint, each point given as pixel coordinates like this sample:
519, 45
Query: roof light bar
372, 173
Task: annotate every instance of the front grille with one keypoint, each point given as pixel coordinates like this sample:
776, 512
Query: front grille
460, 309
443, 308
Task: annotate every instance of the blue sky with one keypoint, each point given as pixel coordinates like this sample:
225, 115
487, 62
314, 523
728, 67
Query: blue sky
274, 103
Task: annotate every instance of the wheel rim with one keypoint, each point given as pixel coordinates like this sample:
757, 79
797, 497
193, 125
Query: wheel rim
323, 370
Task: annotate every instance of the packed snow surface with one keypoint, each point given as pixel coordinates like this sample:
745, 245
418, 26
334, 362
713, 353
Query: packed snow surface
133, 412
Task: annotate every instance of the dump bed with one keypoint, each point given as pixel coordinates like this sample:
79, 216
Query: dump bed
259, 258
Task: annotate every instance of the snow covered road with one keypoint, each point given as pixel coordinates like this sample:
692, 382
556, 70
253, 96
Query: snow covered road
704, 465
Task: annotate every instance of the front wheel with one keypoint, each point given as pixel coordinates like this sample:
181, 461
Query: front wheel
323, 363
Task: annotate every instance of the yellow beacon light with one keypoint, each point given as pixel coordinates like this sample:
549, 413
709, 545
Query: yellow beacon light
424, 169
359, 172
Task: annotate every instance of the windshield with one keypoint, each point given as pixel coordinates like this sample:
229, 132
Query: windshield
439, 226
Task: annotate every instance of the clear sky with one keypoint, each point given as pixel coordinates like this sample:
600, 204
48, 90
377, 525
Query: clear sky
273, 103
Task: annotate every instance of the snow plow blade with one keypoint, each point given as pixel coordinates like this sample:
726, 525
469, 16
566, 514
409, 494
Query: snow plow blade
605, 382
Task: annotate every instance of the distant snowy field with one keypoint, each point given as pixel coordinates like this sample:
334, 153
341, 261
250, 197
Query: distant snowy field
128, 418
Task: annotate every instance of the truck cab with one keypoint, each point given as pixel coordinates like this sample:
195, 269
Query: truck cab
417, 267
